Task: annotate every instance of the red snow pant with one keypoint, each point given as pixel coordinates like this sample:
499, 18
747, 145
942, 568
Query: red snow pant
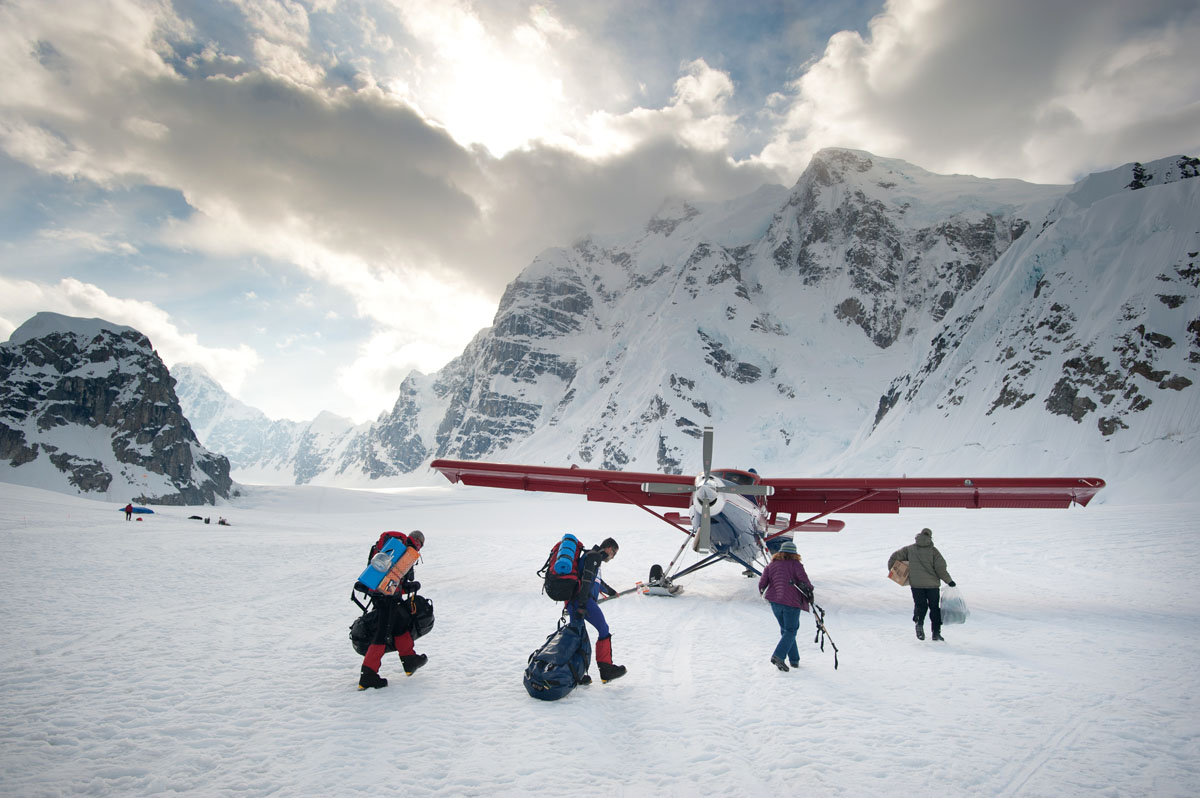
375, 651
388, 607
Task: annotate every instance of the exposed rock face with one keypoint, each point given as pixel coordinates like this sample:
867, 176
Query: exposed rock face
96, 401
1094, 339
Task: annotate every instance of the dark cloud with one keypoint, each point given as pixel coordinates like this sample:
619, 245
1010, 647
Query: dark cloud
553, 197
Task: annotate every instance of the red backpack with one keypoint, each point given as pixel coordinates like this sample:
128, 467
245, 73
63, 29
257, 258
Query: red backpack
384, 538
560, 574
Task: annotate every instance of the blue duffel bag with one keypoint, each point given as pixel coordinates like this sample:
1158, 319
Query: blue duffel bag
561, 662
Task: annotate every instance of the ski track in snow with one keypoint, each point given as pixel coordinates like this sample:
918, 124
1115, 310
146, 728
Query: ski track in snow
167, 657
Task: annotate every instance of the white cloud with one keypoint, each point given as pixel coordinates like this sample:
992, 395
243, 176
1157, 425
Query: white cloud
1042, 91
75, 298
282, 21
287, 62
85, 239
371, 382
695, 117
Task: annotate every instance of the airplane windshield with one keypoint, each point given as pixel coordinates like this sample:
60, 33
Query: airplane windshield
737, 477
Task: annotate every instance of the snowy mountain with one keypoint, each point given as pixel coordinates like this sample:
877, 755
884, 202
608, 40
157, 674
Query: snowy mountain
87, 406
261, 450
1081, 347
876, 319
329, 450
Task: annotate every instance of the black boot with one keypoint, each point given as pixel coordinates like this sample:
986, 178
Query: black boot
920, 631
608, 671
370, 678
937, 634
412, 662
778, 663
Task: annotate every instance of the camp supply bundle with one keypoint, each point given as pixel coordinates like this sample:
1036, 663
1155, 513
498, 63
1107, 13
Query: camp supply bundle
393, 558
954, 606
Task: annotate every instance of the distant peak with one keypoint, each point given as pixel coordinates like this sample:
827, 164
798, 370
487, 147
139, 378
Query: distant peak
47, 323
841, 164
193, 370
672, 213
1131, 177
860, 160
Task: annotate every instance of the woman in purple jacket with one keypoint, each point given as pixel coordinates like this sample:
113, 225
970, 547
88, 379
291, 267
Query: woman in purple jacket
778, 586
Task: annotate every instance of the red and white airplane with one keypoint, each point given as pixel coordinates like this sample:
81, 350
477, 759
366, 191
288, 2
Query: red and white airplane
731, 519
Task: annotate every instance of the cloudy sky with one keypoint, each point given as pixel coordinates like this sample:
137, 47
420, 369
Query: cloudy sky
310, 198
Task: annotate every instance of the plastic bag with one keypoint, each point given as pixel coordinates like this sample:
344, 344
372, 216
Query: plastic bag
954, 607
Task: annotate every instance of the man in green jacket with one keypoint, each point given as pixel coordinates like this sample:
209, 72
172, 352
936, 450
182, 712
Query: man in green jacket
926, 572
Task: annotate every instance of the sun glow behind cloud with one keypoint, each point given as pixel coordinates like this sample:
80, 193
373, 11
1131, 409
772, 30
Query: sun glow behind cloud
498, 88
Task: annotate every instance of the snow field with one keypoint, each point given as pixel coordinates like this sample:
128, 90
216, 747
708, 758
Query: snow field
172, 657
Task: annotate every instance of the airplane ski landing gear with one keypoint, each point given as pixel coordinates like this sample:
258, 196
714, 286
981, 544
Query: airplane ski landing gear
659, 585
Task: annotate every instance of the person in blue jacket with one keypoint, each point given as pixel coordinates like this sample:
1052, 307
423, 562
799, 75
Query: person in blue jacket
585, 605
778, 586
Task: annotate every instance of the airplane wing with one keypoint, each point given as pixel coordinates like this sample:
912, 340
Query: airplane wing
823, 496
597, 485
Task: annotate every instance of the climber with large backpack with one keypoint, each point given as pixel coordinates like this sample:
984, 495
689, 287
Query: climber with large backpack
388, 580
585, 605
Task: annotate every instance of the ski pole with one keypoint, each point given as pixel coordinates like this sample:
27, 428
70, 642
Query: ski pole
819, 617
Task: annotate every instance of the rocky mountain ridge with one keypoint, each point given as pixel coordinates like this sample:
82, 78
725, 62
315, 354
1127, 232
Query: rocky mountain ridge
90, 407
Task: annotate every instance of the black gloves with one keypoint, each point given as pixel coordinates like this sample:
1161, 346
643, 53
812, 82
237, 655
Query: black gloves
950, 583
410, 587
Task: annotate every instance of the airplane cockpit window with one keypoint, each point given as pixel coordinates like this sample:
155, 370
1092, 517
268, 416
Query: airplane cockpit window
737, 477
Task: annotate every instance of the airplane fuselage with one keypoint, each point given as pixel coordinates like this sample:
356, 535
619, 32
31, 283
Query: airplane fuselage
737, 523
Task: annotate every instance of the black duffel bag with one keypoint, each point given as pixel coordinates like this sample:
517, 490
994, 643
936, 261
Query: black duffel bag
413, 615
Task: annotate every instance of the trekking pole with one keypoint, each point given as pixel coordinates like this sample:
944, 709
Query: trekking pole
603, 599
819, 617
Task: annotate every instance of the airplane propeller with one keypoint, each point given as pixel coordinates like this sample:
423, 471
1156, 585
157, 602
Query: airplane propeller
707, 498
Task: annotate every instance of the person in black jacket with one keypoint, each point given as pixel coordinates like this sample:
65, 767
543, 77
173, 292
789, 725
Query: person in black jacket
392, 613
585, 605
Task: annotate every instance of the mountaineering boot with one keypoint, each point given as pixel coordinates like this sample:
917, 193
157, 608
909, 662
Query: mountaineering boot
585, 679
604, 662
370, 678
937, 635
412, 662
794, 663
608, 671
920, 631
778, 663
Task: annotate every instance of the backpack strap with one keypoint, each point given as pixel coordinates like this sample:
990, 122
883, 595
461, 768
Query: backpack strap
545, 569
359, 587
